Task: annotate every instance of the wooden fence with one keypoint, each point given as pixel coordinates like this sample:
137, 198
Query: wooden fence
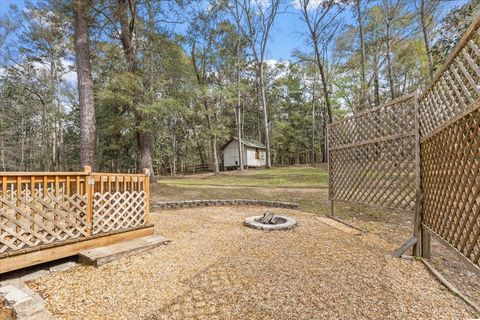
372, 156
42, 210
420, 153
450, 151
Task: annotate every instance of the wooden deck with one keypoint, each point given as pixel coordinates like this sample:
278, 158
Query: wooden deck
47, 216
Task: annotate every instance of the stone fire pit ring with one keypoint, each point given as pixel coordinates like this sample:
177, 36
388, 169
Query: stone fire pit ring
285, 223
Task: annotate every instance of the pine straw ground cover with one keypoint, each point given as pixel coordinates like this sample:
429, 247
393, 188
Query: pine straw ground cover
215, 268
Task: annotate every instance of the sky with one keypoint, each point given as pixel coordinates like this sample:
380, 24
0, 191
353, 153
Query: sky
286, 36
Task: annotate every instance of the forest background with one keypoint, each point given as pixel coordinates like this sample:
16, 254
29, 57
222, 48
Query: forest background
173, 80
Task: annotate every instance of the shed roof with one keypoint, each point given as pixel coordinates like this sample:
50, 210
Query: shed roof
248, 143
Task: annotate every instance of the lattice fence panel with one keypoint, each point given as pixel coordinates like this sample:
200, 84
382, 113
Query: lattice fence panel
455, 88
395, 118
451, 185
29, 221
372, 156
119, 210
450, 149
378, 174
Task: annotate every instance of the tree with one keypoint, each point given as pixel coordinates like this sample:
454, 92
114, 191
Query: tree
396, 19
426, 10
126, 14
453, 26
260, 17
85, 84
169, 97
35, 64
358, 8
238, 15
321, 23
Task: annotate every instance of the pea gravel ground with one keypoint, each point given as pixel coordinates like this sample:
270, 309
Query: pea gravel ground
215, 268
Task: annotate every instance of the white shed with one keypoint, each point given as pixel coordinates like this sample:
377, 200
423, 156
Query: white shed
254, 154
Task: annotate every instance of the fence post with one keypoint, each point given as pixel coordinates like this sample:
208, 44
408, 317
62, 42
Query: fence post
422, 247
417, 228
89, 184
330, 190
147, 195
425, 244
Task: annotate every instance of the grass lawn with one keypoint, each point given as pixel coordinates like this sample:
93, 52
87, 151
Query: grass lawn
305, 185
290, 177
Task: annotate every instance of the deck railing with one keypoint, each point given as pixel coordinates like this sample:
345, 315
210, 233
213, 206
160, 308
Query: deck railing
47, 209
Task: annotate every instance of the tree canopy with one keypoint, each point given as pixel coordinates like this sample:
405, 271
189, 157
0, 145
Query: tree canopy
174, 80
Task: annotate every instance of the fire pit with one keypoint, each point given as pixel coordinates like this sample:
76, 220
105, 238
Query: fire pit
270, 221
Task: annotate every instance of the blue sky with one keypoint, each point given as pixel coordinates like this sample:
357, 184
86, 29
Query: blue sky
286, 34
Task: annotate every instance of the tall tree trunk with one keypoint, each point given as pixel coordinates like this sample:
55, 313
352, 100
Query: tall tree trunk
144, 139
85, 85
363, 102
173, 169
312, 159
426, 41
2, 153
213, 139
376, 82
200, 149
259, 121
43, 147
265, 116
216, 168
313, 27
388, 53
54, 144
239, 105
326, 94
22, 140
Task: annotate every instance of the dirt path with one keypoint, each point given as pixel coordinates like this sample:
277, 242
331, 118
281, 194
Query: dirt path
217, 269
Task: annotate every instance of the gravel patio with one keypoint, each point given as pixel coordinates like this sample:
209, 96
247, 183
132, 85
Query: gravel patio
215, 268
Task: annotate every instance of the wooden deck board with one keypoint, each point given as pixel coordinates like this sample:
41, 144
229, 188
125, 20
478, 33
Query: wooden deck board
102, 255
49, 254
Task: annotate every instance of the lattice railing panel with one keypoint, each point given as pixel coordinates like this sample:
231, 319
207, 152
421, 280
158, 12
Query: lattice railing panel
451, 185
45, 209
392, 119
119, 210
29, 221
456, 87
372, 156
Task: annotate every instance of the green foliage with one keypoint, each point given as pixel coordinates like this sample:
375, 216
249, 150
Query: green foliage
184, 90
453, 26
